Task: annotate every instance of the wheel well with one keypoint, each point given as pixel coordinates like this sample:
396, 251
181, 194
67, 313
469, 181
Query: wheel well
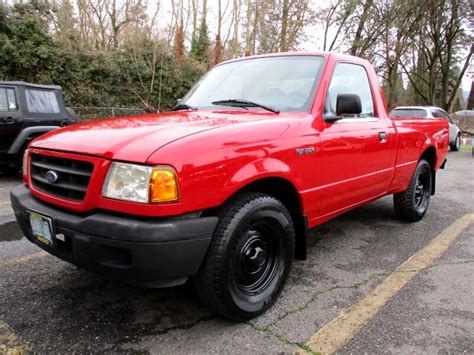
285, 192
430, 156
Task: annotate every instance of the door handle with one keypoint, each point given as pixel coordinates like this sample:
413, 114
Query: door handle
383, 137
7, 120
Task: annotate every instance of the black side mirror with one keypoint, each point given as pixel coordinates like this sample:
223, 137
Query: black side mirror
348, 104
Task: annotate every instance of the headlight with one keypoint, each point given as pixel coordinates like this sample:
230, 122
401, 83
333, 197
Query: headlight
24, 167
139, 183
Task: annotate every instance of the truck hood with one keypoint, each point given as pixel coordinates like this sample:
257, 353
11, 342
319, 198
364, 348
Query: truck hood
135, 138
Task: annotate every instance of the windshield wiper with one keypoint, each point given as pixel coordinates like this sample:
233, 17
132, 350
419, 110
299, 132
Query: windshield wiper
184, 107
244, 103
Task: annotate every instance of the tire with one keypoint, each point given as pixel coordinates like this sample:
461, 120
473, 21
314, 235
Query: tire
412, 204
249, 258
457, 144
71, 114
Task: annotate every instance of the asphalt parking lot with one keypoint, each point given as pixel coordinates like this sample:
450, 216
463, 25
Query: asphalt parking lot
371, 284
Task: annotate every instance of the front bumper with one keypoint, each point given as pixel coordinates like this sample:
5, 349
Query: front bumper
153, 252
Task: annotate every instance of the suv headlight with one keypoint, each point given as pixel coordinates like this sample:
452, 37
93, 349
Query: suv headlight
140, 183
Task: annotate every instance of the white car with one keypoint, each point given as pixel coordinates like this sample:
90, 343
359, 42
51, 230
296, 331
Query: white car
432, 112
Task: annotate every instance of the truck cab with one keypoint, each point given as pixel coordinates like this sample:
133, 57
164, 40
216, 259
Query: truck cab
26, 112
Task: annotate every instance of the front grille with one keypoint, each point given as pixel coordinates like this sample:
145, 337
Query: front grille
73, 176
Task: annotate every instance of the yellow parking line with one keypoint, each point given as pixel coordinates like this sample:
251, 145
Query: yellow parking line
335, 334
9, 342
22, 259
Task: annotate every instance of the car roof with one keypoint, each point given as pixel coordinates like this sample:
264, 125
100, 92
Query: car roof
418, 108
23, 83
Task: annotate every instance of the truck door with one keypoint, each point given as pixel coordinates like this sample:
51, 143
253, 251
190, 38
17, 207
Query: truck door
356, 150
9, 117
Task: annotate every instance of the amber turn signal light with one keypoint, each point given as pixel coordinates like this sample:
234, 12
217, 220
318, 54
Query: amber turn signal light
163, 185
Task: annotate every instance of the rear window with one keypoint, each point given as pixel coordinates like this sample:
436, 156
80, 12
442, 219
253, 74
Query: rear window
408, 112
41, 101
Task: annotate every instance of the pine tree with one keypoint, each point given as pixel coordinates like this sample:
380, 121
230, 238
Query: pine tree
200, 46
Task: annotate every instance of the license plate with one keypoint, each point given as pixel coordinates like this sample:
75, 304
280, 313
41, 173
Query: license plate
42, 228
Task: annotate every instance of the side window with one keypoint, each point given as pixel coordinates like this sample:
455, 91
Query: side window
42, 101
350, 79
8, 100
440, 114
447, 116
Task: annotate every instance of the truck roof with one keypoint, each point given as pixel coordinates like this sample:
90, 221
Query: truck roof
288, 54
24, 83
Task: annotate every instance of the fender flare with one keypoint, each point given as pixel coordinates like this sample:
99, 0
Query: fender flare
25, 133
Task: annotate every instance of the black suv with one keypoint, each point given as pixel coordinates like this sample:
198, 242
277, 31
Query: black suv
26, 112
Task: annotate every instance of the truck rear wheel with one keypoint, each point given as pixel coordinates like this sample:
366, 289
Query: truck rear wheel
412, 204
249, 258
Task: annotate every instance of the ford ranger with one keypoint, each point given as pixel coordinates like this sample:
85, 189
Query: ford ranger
223, 189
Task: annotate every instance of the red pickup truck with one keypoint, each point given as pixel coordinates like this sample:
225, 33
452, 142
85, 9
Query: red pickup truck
224, 188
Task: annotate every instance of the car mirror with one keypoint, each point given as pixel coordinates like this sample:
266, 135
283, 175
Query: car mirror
456, 121
348, 104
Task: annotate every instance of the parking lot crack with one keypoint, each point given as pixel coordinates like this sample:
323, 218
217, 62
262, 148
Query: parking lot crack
267, 331
357, 285
183, 326
317, 294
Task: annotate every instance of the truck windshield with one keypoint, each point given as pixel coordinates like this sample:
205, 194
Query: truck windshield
280, 83
41, 101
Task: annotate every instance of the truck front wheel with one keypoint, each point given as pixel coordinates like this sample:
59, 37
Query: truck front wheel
249, 258
412, 204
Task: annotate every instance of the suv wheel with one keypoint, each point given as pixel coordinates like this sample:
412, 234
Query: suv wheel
412, 204
249, 258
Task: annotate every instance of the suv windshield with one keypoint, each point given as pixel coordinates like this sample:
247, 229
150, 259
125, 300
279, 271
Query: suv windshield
281, 83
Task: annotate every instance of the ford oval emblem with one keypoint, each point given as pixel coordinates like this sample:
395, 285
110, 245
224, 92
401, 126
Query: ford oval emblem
51, 176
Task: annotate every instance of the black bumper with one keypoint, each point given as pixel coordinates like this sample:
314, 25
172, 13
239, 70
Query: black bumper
154, 252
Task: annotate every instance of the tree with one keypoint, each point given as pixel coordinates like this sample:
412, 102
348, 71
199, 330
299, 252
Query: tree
26, 50
281, 24
179, 49
470, 100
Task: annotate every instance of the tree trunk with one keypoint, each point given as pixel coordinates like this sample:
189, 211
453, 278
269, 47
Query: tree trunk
284, 27
470, 100
356, 43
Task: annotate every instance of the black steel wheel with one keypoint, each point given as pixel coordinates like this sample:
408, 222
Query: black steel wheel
411, 205
249, 258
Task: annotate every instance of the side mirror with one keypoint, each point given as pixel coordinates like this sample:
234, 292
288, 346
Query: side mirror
348, 104
456, 121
